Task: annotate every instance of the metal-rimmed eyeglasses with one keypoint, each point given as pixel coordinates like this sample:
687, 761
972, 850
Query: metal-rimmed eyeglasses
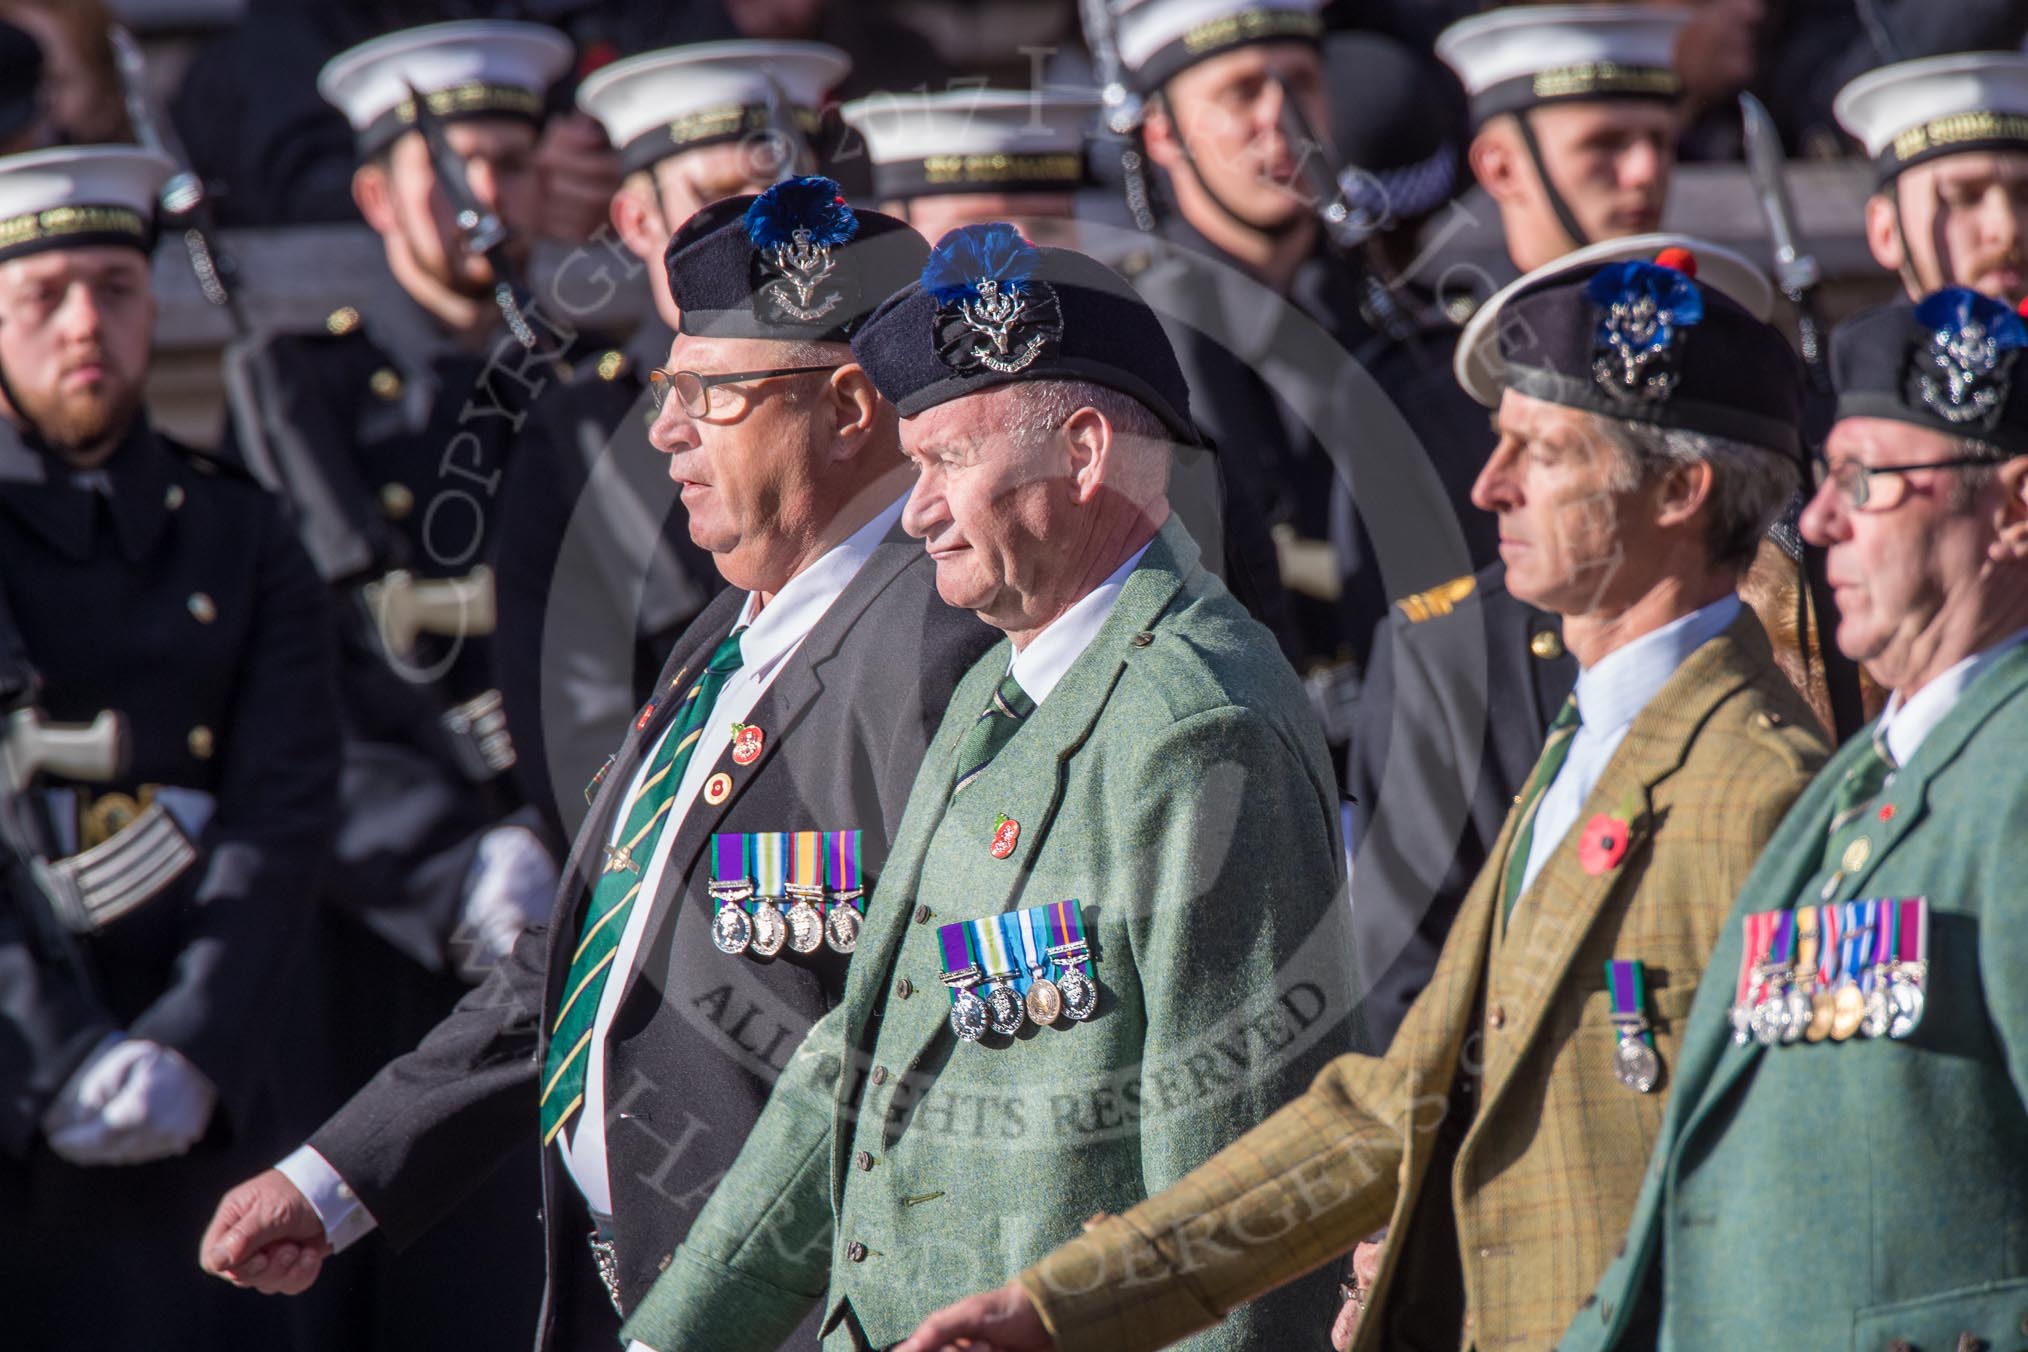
1856, 482
693, 389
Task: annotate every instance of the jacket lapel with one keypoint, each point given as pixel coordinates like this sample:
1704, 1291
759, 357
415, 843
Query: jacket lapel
781, 707
1564, 902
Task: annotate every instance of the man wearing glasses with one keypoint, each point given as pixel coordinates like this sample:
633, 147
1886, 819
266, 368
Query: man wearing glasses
710, 905
1871, 1194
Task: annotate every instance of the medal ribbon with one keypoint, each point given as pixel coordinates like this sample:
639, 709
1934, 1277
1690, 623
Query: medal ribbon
992, 947
1827, 951
955, 939
1750, 952
1858, 937
1035, 939
728, 859
770, 863
806, 863
1628, 984
841, 860
1914, 915
1887, 941
1066, 927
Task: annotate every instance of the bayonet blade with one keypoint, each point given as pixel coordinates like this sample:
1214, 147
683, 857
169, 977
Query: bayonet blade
1795, 271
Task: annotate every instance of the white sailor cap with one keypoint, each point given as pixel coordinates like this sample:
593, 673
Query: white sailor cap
1482, 371
1159, 38
1913, 111
1524, 56
974, 140
75, 197
467, 69
710, 93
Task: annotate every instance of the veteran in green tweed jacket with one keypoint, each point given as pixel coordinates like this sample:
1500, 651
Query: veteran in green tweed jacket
1862, 1182
1110, 936
1503, 1135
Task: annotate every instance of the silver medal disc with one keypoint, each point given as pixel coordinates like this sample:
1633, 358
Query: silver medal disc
1741, 1016
1879, 1012
1636, 1065
770, 931
968, 1016
841, 929
1768, 1017
1080, 996
731, 931
1796, 1014
1905, 1003
806, 927
1004, 1010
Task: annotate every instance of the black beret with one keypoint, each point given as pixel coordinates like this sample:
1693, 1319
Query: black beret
1644, 342
1950, 362
20, 80
794, 264
991, 309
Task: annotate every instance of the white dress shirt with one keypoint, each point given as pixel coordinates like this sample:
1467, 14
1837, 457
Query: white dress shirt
773, 634
1609, 696
1905, 723
1039, 666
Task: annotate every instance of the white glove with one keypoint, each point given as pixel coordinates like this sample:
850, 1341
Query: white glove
131, 1102
511, 885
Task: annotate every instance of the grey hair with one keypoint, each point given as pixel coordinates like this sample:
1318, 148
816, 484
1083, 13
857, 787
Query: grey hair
1750, 484
1973, 480
1045, 405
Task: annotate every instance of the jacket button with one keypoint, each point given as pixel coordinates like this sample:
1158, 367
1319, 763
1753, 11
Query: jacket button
922, 915
863, 1161
202, 608
1968, 1342
173, 498
904, 988
667, 1259
1142, 639
880, 1074
1496, 1018
855, 1252
2024, 1324
1900, 1345
201, 742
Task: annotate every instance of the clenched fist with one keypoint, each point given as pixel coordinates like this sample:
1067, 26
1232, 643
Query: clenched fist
265, 1235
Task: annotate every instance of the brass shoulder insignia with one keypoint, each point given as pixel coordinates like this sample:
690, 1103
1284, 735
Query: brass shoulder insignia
341, 321
1439, 600
612, 365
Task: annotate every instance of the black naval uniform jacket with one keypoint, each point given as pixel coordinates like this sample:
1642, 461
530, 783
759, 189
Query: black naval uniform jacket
390, 442
700, 1036
181, 599
1464, 682
597, 574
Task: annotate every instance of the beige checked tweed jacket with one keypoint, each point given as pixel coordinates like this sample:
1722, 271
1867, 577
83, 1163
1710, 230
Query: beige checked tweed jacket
1548, 1170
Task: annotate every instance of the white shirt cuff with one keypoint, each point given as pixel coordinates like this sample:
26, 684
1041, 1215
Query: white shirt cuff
346, 1219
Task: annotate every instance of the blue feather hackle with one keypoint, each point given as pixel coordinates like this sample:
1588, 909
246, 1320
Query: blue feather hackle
1951, 309
972, 253
814, 204
1673, 292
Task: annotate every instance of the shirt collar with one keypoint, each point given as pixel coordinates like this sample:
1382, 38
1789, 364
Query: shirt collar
1615, 689
1905, 723
1038, 667
774, 630
62, 506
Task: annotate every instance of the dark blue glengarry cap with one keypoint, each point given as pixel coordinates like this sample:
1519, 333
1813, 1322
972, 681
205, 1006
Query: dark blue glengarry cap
1643, 340
1950, 362
795, 264
991, 309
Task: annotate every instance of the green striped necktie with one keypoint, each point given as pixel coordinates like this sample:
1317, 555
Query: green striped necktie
1555, 751
563, 1068
1003, 717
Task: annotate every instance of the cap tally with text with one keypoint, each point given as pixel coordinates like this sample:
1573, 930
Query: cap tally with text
76, 197
1650, 338
974, 140
1915, 111
1525, 56
990, 309
1159, 39
468, 69
1951, 362
711, 93
795, 264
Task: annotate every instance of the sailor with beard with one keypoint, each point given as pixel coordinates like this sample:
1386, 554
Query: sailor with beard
1949, 138
141, 977
389, 436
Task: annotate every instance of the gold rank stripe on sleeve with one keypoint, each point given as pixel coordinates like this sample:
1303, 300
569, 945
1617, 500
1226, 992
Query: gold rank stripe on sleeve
1439, 600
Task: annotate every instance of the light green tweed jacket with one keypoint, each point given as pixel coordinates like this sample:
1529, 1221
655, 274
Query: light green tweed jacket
1175, 783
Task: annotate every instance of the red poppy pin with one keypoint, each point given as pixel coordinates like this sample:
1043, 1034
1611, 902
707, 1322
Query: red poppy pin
647, 713
1006, 831
1603, 845
747, 740
1887, 812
